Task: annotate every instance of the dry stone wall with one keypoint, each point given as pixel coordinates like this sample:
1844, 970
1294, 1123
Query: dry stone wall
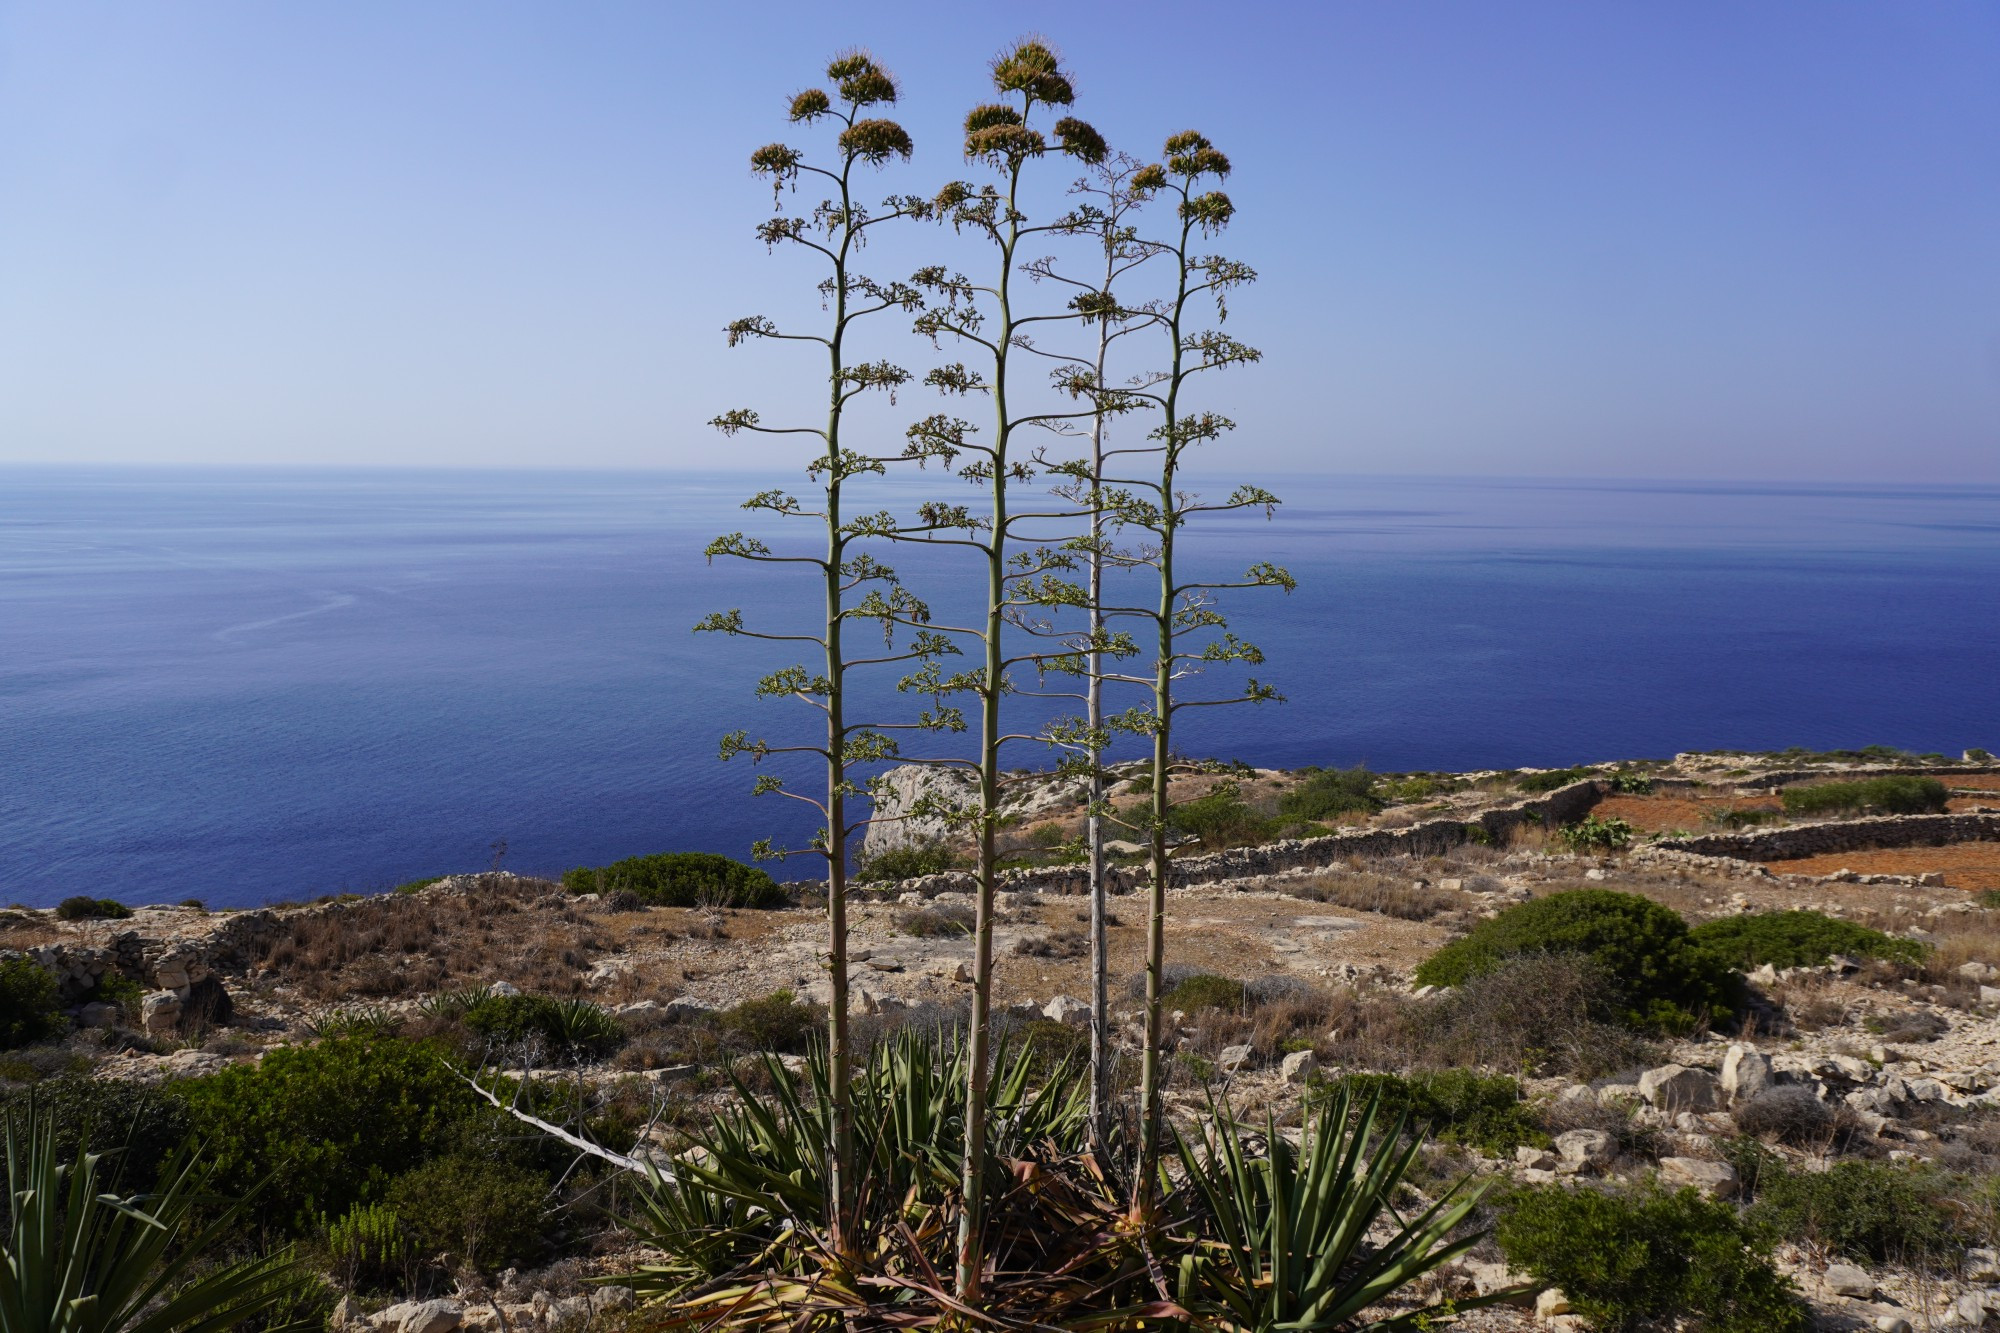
1844, 835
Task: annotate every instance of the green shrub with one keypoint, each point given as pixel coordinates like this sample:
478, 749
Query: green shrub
416, 885
332, 1124
1414, 787
1797, 939
1221, 819
136, 1126
485, 1214
1978, 756
918, 859
30, 1004
368, 1249
1331, 792
779, 1022
571, 1027
1458, 1106
1868, 1211
682, 879
1643, 1260
1205, 990
1889, 796
1552, 779
1631, 784
1593, 833
82, 908
1668, 982
1538, 1014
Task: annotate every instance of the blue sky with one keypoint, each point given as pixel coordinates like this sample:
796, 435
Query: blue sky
1649, 239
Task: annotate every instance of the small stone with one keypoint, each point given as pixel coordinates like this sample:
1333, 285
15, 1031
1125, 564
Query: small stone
160, 1013
1534, 1159
1298, 1066
613, 1298
1892, 1323
503, 988
1551, 1303
1234, 1058
1977, 971
1712, 1178
431, 1317
1982, 1265
1847, 1280
1745, 1073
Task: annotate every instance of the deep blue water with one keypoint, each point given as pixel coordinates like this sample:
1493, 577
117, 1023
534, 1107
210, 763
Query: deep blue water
244, 686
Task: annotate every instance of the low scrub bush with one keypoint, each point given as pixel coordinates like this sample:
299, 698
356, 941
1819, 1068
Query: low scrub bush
30, 1005
1391, 895
1205, 990
1650, 1258
1330, 793
1594, 833
1056, 944
1793, 1116
138, 1127
571, 1027
1740, 819
1871, 1212
1631, 784
82, 908
937, 921
1797, 939
1669, 983
1221, 819
682, 879
330, 1124
1538, 1014
1551, 780
779, 1022
1889, 796
1457, 1106
484, 1214
1907, 1025
926, 858
367, 1249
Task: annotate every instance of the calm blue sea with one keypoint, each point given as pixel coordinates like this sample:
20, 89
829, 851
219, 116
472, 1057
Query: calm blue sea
250, 685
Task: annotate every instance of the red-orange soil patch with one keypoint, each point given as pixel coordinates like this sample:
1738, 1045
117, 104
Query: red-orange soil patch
1661, 814
1972, 866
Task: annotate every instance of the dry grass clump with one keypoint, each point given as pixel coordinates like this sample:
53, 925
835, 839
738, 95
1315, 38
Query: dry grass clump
499, 929
1056, 944
1368, 891
938, 921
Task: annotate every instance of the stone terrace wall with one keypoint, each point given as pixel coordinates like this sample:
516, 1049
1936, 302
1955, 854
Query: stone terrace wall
1430, 838
1846, 835
1785, 777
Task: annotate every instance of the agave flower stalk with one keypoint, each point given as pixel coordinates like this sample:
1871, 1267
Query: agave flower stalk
853, 584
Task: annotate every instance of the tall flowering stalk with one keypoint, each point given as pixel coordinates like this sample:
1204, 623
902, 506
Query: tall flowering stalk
853, 584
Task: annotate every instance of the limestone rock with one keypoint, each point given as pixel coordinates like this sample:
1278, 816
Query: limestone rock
1847, 1280
98, 1014
1552, 1303
901, 788
1586, 1147
1745, 1073
1063, 1009
1234, 1058
1678, 1088
1891, 1323
160, 1013
1982, 1265
1298, 1066
1714, 1178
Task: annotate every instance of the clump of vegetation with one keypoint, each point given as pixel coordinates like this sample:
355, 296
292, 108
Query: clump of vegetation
1455, 1105
1595, 833
779, 1022
1789, 1115
1540, 1013
1647, 1258
418, 885
937, 921
1550, 780
1391, 895
911, 862
488, 1214
1331, 792
682, 879
1669, 983
30, 1004
1797, 939
1631, 784
145, 1125
572, 1027
330, 1124
83, 908
1740, 819
1888, 796
1871, 1212
1220, 819
1205, 990
1055, 944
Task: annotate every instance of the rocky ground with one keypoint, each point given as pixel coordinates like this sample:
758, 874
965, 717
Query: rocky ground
1909, 1057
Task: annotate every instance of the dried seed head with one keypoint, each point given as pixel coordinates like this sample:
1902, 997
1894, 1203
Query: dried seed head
810, 105
875, 141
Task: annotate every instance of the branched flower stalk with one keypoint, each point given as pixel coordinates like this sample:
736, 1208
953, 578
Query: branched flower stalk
855, 586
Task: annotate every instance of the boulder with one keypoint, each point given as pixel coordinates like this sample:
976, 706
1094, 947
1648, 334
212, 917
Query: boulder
1234, 1058
1298, 1067
503, 988
613, 1298
1892, 1323
1678, 1088
1552, 1303
1847, 1280
1586, 1147
439, 1316
1745, 1073
1063, 1009
1712, 1178
1982, 1265
160, 1013
1534, 1159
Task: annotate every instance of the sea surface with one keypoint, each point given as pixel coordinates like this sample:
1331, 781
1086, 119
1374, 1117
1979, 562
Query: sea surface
246, 686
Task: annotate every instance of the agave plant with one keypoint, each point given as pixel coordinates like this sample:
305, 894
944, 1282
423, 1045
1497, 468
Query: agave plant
1292, 1238
78, 1259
